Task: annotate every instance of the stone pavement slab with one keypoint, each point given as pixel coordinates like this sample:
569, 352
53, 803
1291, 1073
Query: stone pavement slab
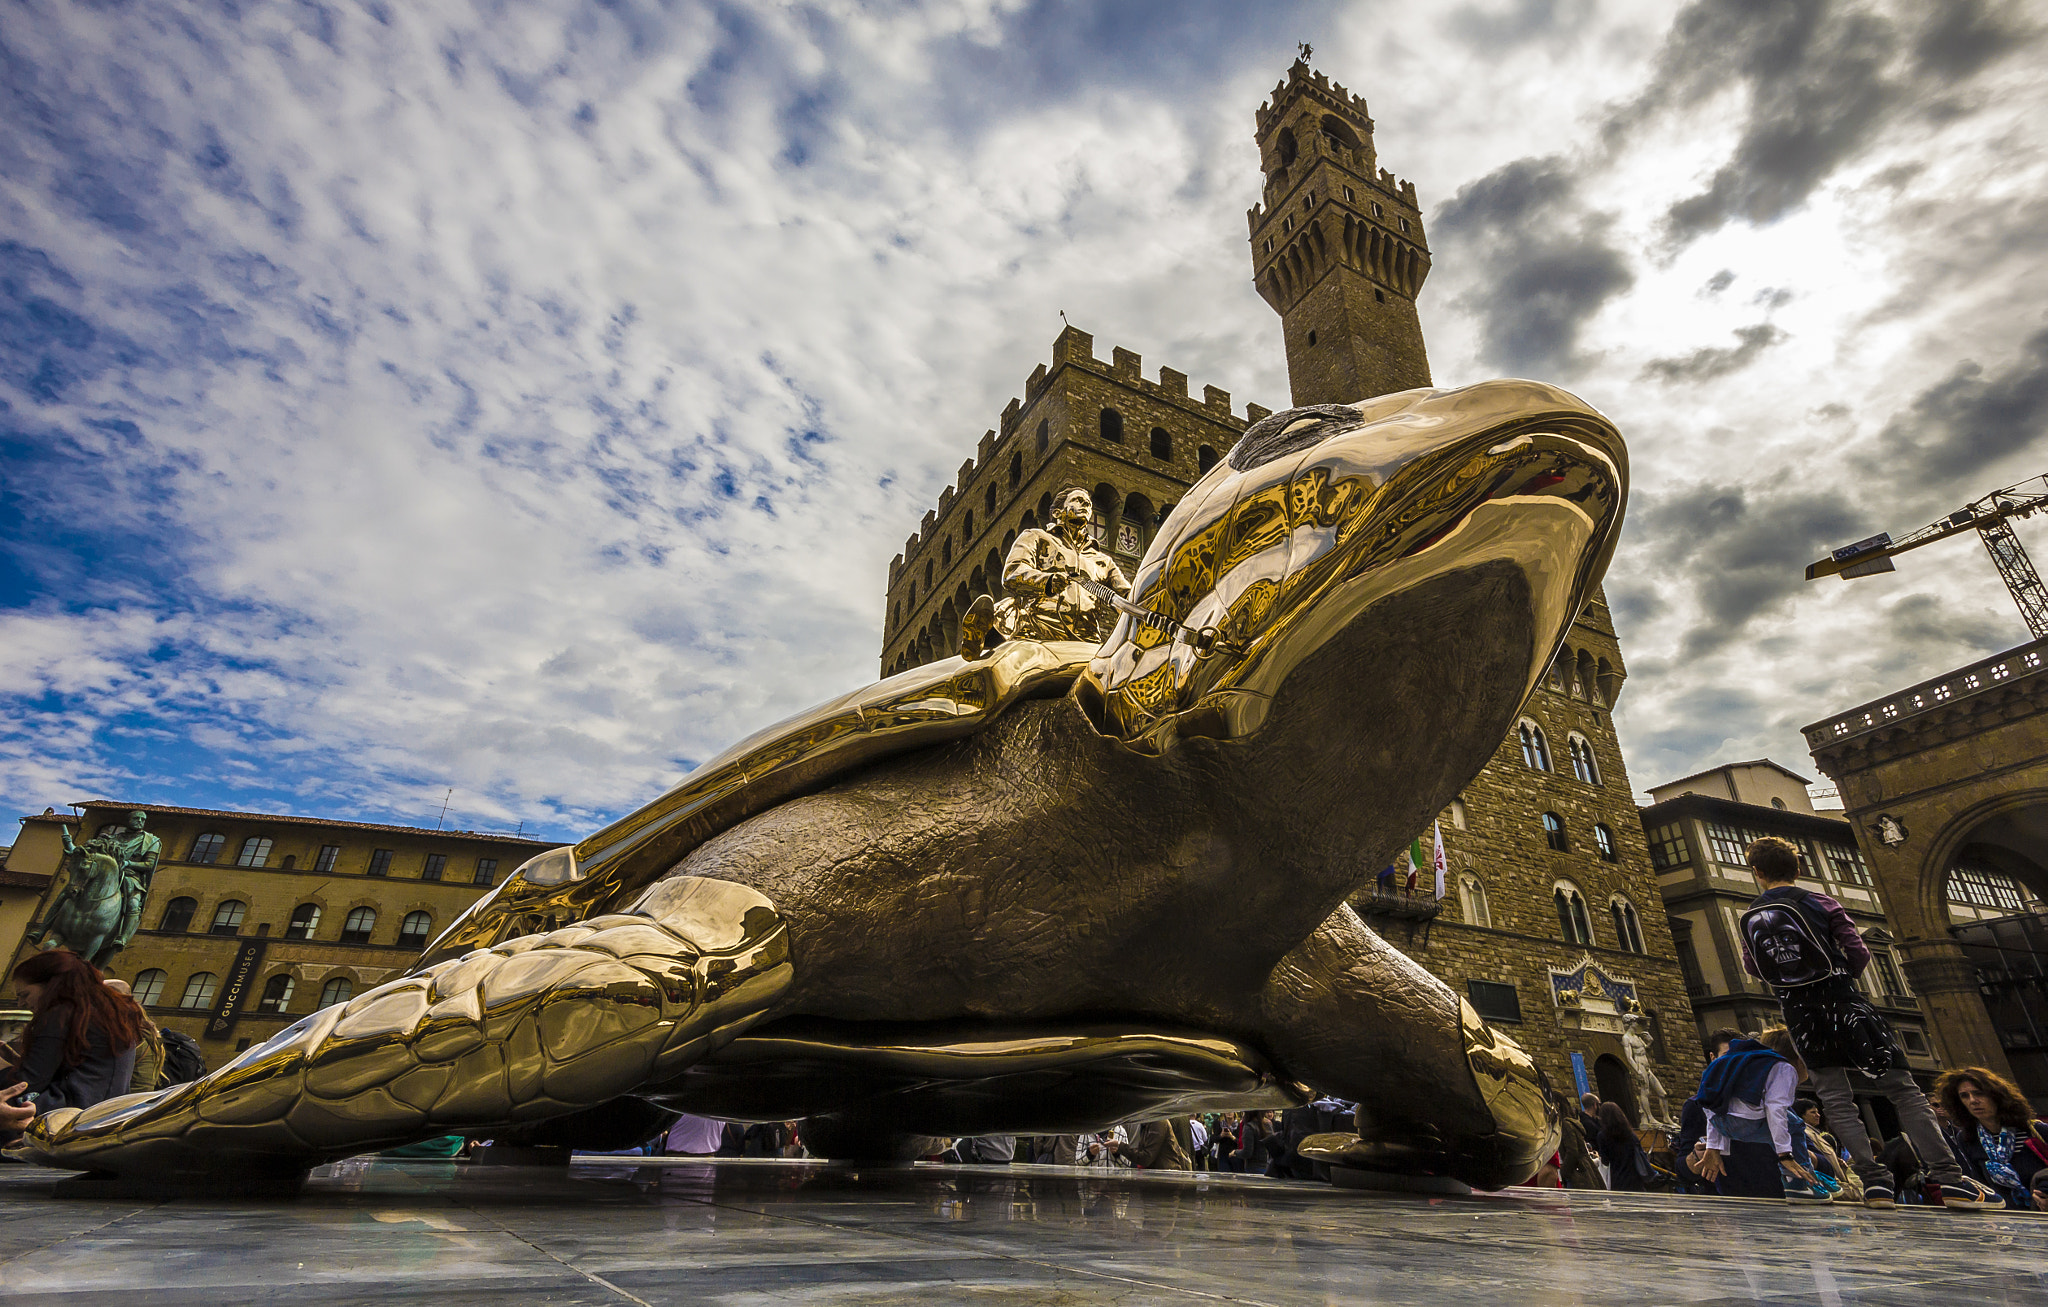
737, 1233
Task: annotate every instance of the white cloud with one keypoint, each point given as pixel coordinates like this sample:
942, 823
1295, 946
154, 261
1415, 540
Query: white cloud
530, 401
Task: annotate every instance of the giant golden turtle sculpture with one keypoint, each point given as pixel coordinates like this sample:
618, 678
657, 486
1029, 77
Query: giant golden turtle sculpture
1051, 888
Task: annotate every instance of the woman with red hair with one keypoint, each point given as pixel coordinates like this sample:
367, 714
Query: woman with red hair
79, 1048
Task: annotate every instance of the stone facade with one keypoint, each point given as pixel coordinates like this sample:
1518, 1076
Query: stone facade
1346, 257
339, 868
1518, 910
1337, 246
1946, 782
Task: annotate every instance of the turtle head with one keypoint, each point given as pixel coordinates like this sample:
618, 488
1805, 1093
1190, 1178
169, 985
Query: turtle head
1407, 563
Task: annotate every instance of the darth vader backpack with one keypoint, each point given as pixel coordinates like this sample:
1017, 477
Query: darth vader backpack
1789, 946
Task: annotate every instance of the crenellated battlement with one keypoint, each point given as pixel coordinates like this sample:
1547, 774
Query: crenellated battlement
1303, 81
1076, 349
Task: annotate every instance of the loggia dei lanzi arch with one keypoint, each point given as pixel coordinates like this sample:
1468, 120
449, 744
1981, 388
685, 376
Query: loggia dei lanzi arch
1949, 778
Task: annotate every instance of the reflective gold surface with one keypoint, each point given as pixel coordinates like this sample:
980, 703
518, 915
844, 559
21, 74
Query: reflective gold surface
1060, 584
528, 1029
978, 896
972, 1079
914, 709
1317, 514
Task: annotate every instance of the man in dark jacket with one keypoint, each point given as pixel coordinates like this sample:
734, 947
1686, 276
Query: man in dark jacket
1834, 1028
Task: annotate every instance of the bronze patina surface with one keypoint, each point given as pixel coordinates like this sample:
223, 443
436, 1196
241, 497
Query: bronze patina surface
1040, 891
106, 882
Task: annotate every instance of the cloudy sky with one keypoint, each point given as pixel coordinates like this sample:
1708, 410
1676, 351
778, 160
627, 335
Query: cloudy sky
526, 399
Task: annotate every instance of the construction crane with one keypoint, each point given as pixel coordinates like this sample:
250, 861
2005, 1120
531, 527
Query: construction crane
1991, 518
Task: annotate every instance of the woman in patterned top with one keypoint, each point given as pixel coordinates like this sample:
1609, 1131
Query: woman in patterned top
1997, 1137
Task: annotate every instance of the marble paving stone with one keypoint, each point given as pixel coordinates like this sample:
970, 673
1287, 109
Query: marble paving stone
741, 1233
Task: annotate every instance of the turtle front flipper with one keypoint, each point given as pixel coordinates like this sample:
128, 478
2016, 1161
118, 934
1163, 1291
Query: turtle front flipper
532, 1028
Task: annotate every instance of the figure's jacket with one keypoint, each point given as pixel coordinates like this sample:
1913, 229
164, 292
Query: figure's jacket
103, 1074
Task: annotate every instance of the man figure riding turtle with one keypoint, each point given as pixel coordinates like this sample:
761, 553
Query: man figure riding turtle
1043, 576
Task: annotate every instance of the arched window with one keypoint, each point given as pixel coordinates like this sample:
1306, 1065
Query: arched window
199, 990
946, 552
1016, 475
1572, 922
207, 847
1604, 838
1044, 435
1553, 832
1472, 897
255, 852
988, 500
1456, 812
227, 918
356, 929
1583, 766
305, 920
413, 931
277, 994
337, 990
149, 986
1113, 426
178, 915
1628, 928
1205, 457
927, 575
1535, 749
1162, 443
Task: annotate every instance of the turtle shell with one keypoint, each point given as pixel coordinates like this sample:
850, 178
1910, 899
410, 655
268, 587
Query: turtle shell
917, 709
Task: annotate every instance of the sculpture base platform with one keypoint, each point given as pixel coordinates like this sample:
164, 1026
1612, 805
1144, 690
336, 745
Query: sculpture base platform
610, 1230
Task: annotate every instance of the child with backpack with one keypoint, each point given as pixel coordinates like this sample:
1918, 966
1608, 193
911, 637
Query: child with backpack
1806, 948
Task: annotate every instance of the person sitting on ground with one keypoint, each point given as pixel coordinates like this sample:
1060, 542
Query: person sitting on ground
79, 1047
149, 1050
1574, 1155
1827, 1151
1997, 1136
1814, 1189
1807, 949
1628, 1169
14, 1115
1747, 1092
1156, 1149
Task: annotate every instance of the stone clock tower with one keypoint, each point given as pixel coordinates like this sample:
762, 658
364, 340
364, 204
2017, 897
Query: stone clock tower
1337, 246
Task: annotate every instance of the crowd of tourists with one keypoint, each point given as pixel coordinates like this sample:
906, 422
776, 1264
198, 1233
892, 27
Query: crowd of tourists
1775, 1115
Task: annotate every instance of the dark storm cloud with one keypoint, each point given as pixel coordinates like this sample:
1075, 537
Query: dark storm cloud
1540, 260
1709, 363
1744, 550
1970, 419
1520, 22
1824, 80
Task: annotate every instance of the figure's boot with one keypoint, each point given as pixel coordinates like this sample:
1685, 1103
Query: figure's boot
532, 1028
977, 624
